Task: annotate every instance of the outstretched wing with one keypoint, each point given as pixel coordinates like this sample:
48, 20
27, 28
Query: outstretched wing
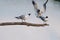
43, 9
36, 8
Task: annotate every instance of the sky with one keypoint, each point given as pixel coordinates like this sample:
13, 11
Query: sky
9, 9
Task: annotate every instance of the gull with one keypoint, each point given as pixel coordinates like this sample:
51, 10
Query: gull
23, 17
40, 11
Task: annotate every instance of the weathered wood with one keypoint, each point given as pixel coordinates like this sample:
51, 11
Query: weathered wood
22, 23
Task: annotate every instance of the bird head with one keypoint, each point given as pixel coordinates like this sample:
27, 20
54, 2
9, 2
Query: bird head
29, 14
46, 16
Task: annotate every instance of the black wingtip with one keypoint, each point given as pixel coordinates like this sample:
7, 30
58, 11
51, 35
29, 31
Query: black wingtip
33, 2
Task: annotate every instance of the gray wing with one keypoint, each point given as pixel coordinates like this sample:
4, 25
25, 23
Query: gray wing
20, 17
43, 9
35, 5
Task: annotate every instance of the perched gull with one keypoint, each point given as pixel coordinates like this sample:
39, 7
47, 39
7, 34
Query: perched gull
39, 12
23, 17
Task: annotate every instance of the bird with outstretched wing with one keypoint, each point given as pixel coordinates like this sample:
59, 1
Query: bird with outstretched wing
40, 11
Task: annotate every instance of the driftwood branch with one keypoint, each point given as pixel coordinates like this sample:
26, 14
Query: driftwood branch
22, 23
